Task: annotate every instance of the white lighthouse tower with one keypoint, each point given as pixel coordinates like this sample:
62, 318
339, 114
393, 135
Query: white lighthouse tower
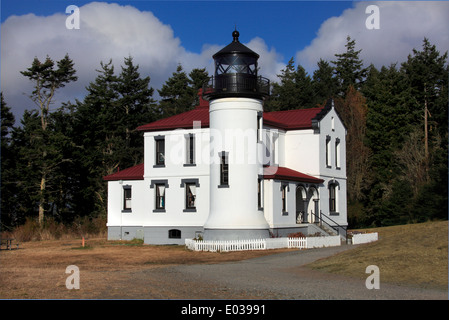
235, 95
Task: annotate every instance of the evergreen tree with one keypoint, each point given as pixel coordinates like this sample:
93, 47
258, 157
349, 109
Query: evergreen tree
198, 78
96, 120
137, 106
427, 75
8, 185
105, 125
283, 93
294, 91
324, 83
47, 80
349, 69
177, 94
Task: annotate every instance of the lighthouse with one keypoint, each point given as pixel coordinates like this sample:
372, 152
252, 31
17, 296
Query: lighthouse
236, 93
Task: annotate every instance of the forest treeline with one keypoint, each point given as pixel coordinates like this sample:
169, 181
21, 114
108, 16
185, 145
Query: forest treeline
52, 164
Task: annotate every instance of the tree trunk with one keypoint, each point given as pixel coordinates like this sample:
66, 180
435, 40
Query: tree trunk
42, 200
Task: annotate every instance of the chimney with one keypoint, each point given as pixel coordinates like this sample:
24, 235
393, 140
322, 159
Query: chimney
203, 103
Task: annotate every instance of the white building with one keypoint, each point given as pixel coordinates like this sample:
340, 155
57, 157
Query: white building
228, 170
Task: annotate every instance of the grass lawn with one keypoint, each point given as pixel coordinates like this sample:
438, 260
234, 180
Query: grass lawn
414, 254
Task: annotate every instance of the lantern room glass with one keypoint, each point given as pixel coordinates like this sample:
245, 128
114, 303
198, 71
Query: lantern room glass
235, 63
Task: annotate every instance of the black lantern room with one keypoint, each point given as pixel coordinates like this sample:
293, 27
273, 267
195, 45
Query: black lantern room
236, 73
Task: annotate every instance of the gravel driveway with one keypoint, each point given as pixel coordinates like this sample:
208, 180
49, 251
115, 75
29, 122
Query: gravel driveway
282, 276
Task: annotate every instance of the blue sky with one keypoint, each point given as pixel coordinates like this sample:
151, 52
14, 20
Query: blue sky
286, 25
160, 35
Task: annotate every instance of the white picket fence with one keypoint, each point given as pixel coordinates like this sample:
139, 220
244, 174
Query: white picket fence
241, 245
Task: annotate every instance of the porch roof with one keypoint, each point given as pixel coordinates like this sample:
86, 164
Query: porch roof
283, 173
133, 173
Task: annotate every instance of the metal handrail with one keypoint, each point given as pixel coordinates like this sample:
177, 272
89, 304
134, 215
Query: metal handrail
336, 226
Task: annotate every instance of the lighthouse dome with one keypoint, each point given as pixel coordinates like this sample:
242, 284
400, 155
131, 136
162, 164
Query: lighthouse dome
236, 73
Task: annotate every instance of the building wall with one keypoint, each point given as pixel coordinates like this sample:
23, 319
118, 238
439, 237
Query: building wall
301, 150
233, 125
332, 127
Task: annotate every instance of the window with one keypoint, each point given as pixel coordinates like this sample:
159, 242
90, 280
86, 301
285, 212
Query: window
275, 154
127, 199
174, 234
259, 126
190, 190
160, 151
190, 149
337, 153
332, 198
160, 189
224, 169
260, 194
190, 195
328, 151
284, 190
160, 196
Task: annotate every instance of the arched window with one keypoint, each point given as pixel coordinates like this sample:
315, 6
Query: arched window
333, 197
301, 197
314, 204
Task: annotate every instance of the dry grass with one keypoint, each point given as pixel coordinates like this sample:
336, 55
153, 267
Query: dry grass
409, 254
107, 269
415, 254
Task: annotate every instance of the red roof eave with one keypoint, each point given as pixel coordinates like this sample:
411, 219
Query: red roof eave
282, 173
133, 173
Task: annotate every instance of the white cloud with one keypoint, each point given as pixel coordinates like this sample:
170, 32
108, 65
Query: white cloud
270, 61
107, 31
403, 26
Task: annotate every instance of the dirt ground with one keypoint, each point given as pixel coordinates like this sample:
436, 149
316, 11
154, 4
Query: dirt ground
108, 270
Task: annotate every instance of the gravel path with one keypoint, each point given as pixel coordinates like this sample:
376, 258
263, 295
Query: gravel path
282, 276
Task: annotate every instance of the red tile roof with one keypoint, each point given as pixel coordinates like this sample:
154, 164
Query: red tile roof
133, 173
282, 173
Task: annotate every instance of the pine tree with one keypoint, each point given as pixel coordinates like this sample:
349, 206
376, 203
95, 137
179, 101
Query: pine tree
198, 78
96, 120
105, 125
137, 107
349, 68
8, 186
427, 74
177, 94
324, 83
294, 91
47, 80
